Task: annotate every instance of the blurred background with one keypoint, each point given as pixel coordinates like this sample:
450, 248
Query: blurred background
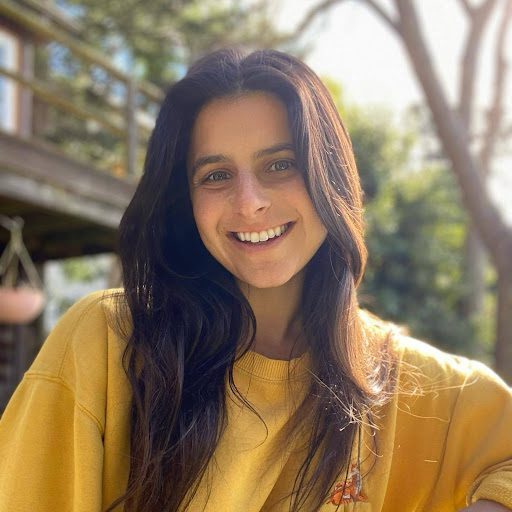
425, 89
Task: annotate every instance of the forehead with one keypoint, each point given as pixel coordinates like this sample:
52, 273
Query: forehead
253, 120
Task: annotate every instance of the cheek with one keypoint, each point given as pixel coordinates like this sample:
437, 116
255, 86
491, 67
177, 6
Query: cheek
205, 215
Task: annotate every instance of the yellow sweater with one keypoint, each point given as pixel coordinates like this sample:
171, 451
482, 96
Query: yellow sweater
64, 437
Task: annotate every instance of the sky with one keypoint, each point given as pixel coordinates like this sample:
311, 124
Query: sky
356, 48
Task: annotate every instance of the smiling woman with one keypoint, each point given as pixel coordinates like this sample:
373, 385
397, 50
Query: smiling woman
249, 199
235, 371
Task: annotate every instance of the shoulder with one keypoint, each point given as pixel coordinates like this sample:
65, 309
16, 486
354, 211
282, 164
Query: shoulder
464, 410
84, 345
420, 369
82, 327
450, 389
434, 368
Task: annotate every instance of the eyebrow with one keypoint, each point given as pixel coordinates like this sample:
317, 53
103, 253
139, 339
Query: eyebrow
214, 159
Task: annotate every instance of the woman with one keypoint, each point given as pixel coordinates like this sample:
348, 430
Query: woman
251, 381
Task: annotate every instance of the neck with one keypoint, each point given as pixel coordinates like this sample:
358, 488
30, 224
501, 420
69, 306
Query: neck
277, 312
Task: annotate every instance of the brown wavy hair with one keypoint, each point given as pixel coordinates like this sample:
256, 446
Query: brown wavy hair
190, 320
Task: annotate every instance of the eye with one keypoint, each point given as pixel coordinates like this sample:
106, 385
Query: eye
215, 177
282, 165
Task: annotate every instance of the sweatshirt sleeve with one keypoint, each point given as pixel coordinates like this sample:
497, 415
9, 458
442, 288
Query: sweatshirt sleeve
479, 441
51, 446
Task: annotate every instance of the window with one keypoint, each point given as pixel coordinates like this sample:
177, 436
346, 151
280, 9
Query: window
8, 88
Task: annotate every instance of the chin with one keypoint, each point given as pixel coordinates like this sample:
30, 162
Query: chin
265, 281
265, 285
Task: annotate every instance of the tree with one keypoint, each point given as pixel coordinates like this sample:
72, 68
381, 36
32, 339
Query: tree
160, 38
455, 128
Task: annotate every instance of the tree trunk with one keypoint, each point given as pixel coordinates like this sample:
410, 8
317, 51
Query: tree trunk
474, 255
475, 273
503, 347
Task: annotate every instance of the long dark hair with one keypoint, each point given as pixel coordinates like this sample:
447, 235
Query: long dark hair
190, 321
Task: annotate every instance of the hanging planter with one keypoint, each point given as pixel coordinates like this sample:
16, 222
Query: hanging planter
20, 303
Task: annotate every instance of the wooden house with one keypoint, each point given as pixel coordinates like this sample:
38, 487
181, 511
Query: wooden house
71, 203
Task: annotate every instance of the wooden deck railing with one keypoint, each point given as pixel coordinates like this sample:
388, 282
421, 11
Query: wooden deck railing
121, 119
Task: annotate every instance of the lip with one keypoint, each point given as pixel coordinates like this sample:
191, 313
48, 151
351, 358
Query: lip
261, 246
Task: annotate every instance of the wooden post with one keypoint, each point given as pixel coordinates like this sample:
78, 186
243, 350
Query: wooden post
6, 362
131, 126
26, 96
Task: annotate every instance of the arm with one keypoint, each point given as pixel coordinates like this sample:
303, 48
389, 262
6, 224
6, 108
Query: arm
51, 445
479, 446
51, 451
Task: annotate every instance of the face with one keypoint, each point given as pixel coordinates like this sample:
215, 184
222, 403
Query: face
250, 203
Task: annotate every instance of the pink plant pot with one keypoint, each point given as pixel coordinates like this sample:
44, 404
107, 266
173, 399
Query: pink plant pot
20, 305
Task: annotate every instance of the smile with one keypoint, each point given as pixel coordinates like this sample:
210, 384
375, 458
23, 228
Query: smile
262, 236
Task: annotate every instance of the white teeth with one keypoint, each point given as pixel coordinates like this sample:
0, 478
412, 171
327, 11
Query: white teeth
261, 236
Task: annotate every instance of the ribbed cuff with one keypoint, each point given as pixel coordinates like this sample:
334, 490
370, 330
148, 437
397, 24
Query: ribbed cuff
495, 487
274, 369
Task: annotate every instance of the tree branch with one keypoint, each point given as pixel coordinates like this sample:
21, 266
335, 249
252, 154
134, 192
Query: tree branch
306, 21
507, 131
322, 7
489, 221
394, 24
479, 18
466, 6
495, 116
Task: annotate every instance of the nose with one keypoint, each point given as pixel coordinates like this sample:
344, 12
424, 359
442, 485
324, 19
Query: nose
251, 198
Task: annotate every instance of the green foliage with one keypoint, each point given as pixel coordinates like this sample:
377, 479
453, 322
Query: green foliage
380, 148
160, 37
85, 269
416, 231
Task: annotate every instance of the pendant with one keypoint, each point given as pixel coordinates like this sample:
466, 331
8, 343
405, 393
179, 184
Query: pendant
349, 491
